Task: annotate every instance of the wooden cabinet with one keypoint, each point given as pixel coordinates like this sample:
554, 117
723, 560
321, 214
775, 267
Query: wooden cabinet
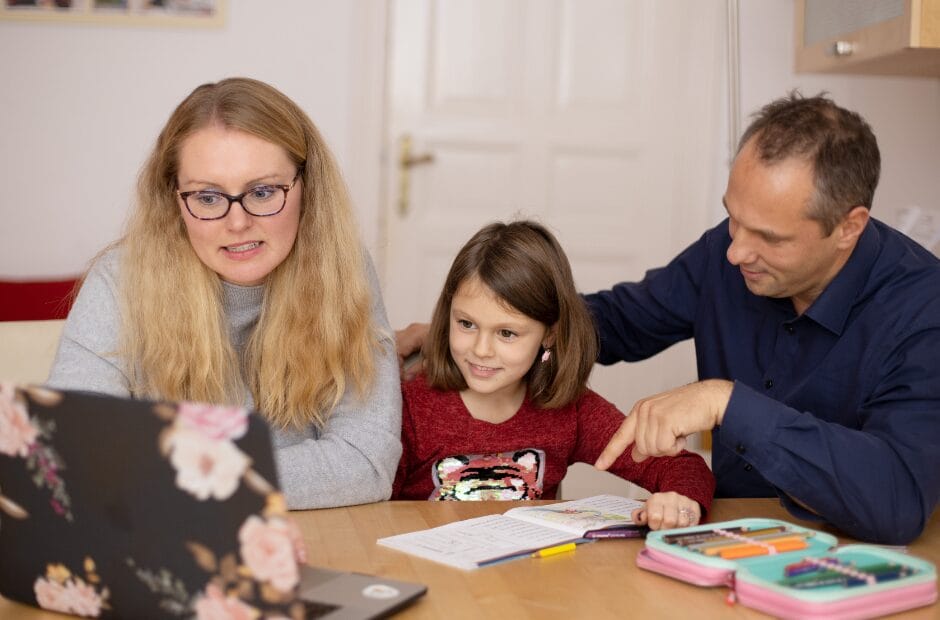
879, 37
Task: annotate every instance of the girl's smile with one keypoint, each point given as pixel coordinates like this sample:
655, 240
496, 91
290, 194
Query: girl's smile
494, 346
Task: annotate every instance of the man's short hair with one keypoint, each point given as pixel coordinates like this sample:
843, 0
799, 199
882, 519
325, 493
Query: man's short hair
838, 143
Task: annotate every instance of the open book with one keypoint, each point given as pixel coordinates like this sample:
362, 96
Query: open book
521, 531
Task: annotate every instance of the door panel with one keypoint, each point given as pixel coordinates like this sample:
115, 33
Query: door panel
596, 117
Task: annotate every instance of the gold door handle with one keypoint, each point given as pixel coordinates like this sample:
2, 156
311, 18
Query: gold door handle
406, 161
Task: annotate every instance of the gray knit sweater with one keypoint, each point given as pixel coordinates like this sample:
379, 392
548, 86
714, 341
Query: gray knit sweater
351, 461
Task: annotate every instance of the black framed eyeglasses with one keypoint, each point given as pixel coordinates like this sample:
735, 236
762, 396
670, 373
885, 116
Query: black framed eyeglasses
259, 201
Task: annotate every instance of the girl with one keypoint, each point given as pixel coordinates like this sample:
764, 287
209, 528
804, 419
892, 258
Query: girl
503, 407
241, 280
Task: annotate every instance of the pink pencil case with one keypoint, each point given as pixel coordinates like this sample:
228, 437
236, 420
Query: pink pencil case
820, 580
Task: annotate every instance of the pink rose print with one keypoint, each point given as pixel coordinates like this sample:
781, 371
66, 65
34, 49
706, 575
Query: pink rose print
206, 467
81, 599
269, 550
31, 439
50, 594
215, 605
60, 590
17, 434
213, 421
256, 581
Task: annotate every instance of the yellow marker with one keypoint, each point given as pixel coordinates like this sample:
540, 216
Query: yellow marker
544, 553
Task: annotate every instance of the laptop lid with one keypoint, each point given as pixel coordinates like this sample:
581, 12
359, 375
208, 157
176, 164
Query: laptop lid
113, 507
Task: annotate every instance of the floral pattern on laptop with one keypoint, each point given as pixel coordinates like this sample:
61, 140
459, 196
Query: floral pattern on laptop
200, 444
249, 567
262, 578
62, 590
31, 439
261, 581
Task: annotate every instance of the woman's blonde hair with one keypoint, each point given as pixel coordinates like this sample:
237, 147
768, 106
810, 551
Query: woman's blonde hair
526, 268
315, 331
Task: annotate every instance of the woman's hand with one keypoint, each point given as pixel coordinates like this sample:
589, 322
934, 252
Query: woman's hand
668, 510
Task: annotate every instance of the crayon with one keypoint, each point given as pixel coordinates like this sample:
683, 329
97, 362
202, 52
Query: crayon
764, 543
800, 568
793, 544
703, 536
723, 542
548, 551
833, 572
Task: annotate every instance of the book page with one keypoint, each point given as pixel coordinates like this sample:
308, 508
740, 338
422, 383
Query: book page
582, 515
469, 543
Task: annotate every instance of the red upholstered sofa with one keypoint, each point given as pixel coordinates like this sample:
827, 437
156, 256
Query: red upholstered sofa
22, 300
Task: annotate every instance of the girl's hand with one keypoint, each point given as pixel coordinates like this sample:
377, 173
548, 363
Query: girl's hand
668, 510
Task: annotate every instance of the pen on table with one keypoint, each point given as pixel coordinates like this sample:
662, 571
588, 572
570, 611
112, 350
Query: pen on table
547, 551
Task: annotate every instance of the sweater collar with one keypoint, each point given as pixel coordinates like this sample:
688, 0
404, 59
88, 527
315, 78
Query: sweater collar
238, 296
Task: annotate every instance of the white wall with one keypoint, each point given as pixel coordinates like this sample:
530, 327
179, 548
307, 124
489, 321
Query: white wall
903, 112
81, 104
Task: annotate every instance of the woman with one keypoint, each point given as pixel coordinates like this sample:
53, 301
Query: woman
241, 280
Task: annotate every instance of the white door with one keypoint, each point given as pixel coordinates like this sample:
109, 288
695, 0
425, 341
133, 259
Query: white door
599, 118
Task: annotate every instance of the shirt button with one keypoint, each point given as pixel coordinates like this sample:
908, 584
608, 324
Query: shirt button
769, 383
790, 329
740, 448
748, 467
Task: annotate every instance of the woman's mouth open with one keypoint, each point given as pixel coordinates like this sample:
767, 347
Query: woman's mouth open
242, 250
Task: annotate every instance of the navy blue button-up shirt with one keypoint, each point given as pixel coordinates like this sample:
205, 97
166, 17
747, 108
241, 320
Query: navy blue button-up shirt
838, 408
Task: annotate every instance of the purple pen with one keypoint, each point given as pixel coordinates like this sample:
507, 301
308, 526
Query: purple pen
618, 532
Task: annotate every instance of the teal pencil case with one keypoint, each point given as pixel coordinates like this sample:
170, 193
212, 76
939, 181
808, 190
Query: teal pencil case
790, 571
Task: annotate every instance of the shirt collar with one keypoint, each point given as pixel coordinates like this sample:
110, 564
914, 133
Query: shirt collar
831, 309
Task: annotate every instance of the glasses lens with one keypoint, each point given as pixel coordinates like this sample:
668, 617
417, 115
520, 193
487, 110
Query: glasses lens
264, 200
207, 205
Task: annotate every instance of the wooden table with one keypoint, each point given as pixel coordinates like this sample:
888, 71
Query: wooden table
600, 580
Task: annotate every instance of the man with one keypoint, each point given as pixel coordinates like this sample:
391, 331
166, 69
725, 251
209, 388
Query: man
817, 334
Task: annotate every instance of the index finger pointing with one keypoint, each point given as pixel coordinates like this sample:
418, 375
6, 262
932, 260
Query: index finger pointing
618, 443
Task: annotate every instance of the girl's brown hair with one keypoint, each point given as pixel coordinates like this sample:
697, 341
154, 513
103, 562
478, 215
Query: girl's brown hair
524, 265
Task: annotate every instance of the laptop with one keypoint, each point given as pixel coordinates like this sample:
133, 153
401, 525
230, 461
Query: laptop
112, 507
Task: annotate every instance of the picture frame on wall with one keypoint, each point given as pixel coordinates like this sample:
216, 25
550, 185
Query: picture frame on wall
205, 13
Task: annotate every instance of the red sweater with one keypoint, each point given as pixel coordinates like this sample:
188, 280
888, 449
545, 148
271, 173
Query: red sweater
448, 454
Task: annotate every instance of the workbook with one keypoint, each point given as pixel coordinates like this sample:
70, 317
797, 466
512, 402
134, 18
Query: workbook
789, 571
519, 532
